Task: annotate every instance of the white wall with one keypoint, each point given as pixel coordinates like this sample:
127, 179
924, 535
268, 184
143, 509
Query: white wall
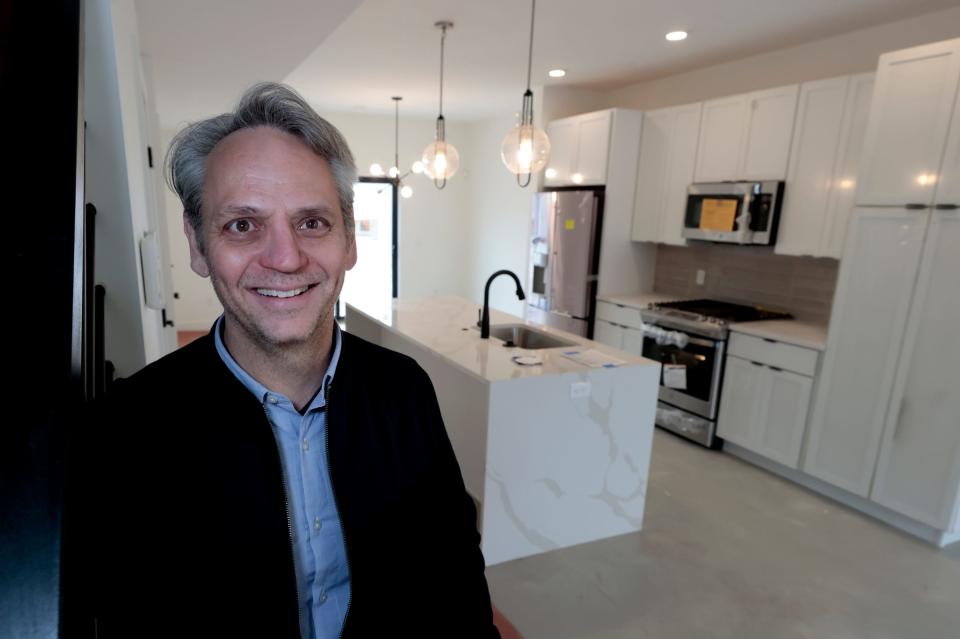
499, 219
112, 186
852, 52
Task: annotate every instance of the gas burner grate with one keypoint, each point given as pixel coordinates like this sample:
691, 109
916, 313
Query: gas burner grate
724, 310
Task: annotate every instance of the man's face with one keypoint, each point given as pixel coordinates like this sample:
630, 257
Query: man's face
272, 227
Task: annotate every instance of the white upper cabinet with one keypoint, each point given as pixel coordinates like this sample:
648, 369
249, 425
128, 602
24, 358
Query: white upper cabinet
651, 175
722, 129
918, 472
579, 149
824, 155
769, 131
908, 125
877, 275
564, 142
948, 189
746, 137
668, 149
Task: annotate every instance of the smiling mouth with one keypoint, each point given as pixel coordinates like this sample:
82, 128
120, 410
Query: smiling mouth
272, 292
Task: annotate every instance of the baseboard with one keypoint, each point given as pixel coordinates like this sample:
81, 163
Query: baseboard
910, 526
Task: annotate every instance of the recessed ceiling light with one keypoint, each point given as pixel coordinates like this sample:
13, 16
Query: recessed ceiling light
557, 73
675, 36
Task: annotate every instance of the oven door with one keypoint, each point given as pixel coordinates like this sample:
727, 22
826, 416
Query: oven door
696, 386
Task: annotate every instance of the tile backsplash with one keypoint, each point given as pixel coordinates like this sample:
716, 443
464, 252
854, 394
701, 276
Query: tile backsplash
802, 286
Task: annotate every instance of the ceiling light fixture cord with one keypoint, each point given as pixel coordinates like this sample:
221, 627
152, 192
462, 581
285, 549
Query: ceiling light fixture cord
396, 136
526, 111
441, 124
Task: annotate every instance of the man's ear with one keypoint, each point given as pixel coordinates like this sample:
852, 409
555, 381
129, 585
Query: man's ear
352, 253
197, 261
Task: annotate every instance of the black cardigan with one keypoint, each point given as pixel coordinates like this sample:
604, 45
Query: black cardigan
176, 520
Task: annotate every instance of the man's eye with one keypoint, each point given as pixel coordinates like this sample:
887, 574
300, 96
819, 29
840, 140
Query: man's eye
315, 224
240, 226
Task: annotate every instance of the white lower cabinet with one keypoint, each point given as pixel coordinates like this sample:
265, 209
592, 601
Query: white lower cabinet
764, 409
608, 333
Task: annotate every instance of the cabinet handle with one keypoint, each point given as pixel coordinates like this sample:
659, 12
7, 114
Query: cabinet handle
947, 207
767, 339
775, 368
757, 364
896, 429
915, 206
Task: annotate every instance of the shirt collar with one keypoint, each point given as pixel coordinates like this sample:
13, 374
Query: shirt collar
260, 391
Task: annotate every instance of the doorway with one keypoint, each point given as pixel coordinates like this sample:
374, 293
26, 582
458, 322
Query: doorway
372, 283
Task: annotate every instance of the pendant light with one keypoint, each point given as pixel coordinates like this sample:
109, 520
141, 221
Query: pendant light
440, 158
526, 148
394, 173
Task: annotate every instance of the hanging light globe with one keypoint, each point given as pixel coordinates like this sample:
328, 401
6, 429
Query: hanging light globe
440, 160
525, 149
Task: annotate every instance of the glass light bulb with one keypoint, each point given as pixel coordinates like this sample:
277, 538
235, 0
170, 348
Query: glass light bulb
376, 170
417, 167
393, 172
406, 192
550, 172
440, 160
525, 149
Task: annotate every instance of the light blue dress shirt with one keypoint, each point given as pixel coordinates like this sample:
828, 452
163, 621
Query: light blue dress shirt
320, 558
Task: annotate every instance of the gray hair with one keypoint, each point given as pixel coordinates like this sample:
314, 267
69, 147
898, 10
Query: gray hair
265, 104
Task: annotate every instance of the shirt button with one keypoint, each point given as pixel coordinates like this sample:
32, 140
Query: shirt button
323, 597
317, 524
272, 399
306, 445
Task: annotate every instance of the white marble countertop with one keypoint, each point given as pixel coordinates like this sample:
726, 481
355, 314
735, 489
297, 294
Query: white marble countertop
447, 326
798, 332
636, 300
791, 331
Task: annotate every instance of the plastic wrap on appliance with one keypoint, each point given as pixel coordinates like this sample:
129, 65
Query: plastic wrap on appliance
680, 421
664, 337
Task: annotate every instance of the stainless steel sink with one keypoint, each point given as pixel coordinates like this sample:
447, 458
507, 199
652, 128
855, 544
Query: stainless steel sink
523, 336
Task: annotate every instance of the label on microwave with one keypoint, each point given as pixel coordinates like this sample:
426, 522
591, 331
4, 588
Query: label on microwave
675, 376
718, 214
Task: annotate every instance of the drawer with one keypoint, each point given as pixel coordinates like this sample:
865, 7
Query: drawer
773, 353
617, 314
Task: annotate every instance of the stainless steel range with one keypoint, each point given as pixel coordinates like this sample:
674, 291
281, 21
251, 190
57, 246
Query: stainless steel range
690, 339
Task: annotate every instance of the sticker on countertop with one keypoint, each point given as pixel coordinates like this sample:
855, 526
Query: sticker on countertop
675, 376
569, 224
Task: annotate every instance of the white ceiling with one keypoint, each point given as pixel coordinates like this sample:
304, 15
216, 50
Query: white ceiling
352, 55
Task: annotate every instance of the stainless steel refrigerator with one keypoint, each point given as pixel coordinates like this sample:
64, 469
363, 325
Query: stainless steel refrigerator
564, 258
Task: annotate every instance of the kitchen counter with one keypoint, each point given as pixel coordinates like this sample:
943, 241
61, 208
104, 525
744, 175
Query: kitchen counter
791, 331
555, 454
637, 300
446, 326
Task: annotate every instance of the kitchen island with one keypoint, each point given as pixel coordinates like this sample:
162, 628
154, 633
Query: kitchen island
555, 453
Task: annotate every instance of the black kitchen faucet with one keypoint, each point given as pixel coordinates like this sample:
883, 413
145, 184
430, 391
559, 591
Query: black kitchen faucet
485, 320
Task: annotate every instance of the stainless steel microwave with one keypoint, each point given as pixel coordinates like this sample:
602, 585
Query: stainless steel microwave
733, 212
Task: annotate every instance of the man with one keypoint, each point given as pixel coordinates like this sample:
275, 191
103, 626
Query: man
277, 477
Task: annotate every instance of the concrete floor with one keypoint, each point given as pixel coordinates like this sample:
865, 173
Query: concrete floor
729, 550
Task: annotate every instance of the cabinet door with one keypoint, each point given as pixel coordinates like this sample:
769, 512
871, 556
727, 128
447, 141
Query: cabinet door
594, 134
722, 129
633, 341
844, 180
812, 159
918, 472
607, 333
873, 296
948, 190
769, 130
740, 403
680, 166
651, 175
783, 416
564, 138
908, 124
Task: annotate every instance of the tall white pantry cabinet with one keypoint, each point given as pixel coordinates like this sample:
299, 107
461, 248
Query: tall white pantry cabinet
886, 419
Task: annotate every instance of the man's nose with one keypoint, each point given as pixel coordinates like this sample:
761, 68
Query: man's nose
282, 251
